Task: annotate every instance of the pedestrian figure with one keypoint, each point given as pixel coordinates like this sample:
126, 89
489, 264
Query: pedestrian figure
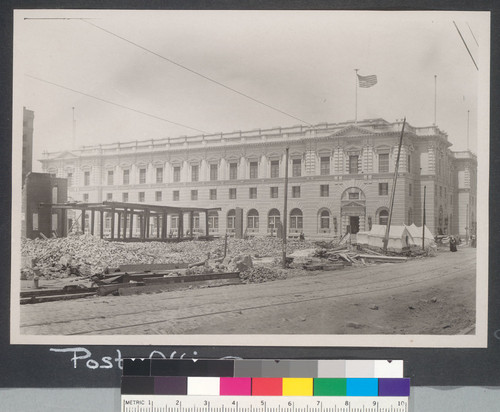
453, 244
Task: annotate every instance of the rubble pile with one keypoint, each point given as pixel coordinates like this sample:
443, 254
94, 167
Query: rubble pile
262, 274
86, 255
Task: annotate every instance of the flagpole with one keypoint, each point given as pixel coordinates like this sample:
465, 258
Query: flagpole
356, 95
435, 98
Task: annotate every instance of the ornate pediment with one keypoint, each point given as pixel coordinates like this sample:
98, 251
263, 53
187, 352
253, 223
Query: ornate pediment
353, 131
65, 155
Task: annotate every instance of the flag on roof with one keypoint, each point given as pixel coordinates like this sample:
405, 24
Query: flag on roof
367, 81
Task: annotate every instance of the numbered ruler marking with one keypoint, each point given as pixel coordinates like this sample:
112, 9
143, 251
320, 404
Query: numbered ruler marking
190, 403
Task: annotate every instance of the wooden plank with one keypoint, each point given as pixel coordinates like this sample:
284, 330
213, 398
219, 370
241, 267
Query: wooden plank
54, 292
191, 278
152, 288
143, 267
109, 289
41, 299
384, 258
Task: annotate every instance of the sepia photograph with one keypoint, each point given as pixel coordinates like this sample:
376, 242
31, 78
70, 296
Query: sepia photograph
272, 178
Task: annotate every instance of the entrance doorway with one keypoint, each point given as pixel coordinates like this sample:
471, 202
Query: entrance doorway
354, 224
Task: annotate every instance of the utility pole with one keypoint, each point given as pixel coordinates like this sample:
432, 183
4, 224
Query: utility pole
423, 222
393, 193
285, 207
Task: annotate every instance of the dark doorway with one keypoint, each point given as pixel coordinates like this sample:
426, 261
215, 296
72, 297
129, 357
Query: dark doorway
354, 223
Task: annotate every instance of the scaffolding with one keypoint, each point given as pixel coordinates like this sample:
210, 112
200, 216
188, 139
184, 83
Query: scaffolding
122, 217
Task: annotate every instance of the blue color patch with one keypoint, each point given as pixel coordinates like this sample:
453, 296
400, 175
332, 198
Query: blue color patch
362, 387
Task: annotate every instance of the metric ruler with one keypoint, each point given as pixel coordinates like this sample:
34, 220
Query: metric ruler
199, 403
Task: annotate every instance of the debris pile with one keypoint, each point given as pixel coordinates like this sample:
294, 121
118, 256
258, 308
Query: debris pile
262, 274
86, 255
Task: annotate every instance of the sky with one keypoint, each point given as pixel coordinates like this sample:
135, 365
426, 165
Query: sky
299, 62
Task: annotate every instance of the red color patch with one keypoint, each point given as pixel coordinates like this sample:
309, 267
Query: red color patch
267, 386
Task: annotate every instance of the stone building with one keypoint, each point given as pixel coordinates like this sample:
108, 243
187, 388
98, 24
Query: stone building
340, 177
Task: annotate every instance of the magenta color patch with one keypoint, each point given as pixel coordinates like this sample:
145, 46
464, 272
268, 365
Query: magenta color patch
236, 386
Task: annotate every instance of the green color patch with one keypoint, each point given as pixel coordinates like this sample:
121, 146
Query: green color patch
330, 387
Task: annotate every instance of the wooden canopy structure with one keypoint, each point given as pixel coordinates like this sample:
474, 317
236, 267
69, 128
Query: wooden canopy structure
122, 215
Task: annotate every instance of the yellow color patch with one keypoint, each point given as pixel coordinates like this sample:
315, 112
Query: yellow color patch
297, 386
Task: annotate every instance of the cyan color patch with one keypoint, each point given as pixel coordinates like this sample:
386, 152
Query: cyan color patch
362, 387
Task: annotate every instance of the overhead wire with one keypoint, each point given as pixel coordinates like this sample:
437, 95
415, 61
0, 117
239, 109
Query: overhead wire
196, 72
116, 104
465, 44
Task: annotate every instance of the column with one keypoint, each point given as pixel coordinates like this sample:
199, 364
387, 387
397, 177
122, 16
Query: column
83, 221
131, 232
101, 221
124, 223
113, 224
207, 233
119, 225
92, 221
180, 226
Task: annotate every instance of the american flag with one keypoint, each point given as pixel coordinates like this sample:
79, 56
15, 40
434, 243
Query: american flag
367, 81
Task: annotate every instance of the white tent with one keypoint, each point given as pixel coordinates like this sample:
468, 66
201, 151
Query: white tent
416, 233
399, 237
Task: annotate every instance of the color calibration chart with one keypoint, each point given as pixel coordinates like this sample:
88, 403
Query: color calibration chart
203, 385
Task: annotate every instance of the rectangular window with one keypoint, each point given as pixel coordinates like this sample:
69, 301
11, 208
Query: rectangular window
126, 177
158, 196
86, 178
85, 197
194, 195
55, 217
35, 221
295, 191
177, 173
408, 164
233, 171
354, 196
353, 164
383, 189
175, 195
274, 192
214, 172
141, 196
142, 176
110, 177
383, 163
253, 193
254, 170
109, 197
159, 175
440, 191
195, 173
324, 190
410, 189
232, 193
70, 179
125, 197
275, 168
325, 166
296, 167
213, 194
445, 192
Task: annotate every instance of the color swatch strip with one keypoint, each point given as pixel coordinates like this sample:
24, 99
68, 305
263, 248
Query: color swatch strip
264, 368
262, 386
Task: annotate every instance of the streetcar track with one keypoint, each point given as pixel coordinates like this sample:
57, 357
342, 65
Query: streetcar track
261, 306
274, 295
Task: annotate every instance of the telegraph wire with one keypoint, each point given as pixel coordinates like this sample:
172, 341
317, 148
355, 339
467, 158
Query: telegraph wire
116, 104
196, 73
465, 44
471, 32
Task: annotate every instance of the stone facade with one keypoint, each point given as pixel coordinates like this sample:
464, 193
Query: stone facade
340, 177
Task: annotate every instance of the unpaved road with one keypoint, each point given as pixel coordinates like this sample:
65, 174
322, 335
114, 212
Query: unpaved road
422, 296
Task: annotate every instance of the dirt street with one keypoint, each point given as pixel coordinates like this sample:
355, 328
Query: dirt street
422, 296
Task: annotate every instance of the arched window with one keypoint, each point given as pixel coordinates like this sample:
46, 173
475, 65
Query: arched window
253, 220
213, 221
231, 219
273, 220
296, 220
324, 219
383, 217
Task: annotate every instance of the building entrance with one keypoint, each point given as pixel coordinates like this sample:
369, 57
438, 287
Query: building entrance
354, 223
